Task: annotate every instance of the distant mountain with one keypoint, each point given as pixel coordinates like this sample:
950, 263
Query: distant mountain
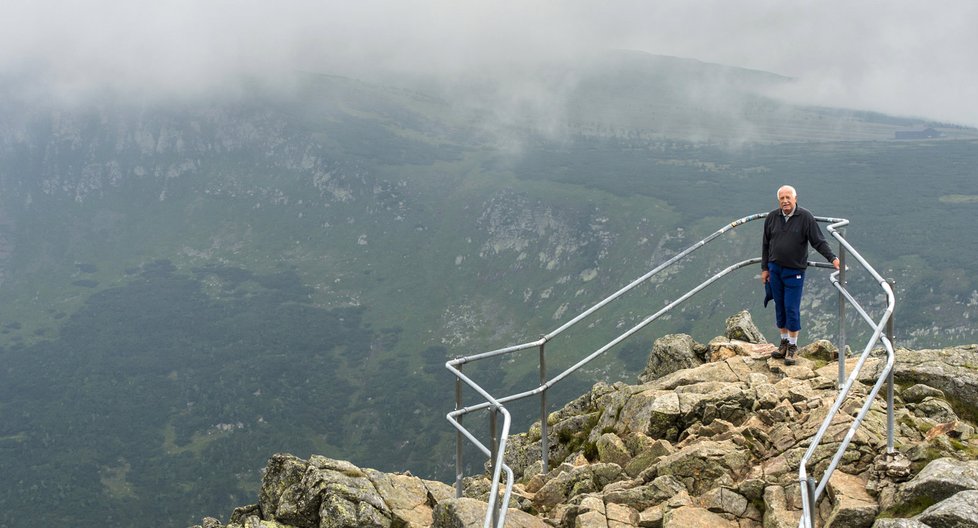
198, 284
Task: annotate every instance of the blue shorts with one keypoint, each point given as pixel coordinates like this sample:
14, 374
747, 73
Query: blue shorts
786, 287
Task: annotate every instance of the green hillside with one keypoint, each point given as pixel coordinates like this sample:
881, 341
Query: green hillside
188, 288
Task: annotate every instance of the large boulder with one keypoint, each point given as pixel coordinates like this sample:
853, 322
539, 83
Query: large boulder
852, 507
654, 413
612, 449
939, 480
959, 511
671, 353
741, 327
950, 370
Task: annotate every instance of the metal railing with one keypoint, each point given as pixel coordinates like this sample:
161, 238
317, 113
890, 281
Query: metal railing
810, 488
496, 512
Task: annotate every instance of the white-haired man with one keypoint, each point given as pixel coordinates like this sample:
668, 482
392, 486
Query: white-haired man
788, 231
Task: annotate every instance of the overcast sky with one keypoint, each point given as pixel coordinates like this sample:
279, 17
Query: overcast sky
896, 56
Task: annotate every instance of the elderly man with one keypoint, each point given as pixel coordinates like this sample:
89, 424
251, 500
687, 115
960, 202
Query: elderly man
788, 231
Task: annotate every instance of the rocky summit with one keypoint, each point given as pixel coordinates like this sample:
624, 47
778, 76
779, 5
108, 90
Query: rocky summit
711, 437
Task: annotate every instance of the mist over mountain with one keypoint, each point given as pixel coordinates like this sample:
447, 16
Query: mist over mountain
196, 283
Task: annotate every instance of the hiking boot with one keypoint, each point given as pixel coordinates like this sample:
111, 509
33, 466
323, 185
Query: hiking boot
789, 355
779, 353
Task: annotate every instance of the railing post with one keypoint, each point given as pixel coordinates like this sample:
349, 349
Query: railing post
842, 316
458, 438
493, 450
810, 490
544, 430
889, 383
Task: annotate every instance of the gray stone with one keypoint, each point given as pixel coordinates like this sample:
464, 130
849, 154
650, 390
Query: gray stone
693, 517
722, 349
821, 350
283, 474
591, 519
338, 512
899, 523
723, 500
852, 507
612, 449
917, 393
576, 481
706, 464
521, 453
733, 370
654, 413
241, 512
648, 456
941, 479
776, 511
936, 409
741, 326
438, 491
471, 513
621, 516
651, 517
406, 496
950, 370
641, 498
669, 354
958, 511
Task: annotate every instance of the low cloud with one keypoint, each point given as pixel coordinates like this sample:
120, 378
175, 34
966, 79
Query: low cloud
897, 57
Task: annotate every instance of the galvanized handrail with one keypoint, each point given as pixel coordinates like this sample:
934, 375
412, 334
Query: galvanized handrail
495, 515
810, 492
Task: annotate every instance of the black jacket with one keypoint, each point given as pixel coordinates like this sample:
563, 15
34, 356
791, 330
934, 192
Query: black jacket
786, 243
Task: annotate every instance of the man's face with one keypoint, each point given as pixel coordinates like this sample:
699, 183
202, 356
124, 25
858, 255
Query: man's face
786, 201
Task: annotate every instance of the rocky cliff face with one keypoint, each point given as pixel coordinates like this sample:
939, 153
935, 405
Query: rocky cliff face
711, 437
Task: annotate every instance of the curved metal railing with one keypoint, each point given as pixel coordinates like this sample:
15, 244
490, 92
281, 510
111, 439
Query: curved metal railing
496, 512
810, 489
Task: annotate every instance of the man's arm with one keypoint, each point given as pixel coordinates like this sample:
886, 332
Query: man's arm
817, 240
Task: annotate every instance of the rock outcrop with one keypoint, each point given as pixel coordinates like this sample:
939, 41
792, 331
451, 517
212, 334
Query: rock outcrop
711, 437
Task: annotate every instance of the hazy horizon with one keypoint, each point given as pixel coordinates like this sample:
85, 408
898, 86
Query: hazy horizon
901, 58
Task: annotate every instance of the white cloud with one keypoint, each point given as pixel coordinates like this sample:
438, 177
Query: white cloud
901, 57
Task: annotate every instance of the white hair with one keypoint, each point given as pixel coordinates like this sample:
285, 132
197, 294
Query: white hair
794, 193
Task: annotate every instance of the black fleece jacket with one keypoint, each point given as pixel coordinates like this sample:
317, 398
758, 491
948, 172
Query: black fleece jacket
786, 243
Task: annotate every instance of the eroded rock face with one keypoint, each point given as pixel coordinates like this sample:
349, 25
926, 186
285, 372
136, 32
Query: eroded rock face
327, 493
714, 443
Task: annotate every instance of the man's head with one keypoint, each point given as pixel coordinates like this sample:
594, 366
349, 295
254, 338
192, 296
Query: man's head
787, 199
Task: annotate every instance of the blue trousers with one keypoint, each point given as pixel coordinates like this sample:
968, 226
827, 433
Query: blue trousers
786, 287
